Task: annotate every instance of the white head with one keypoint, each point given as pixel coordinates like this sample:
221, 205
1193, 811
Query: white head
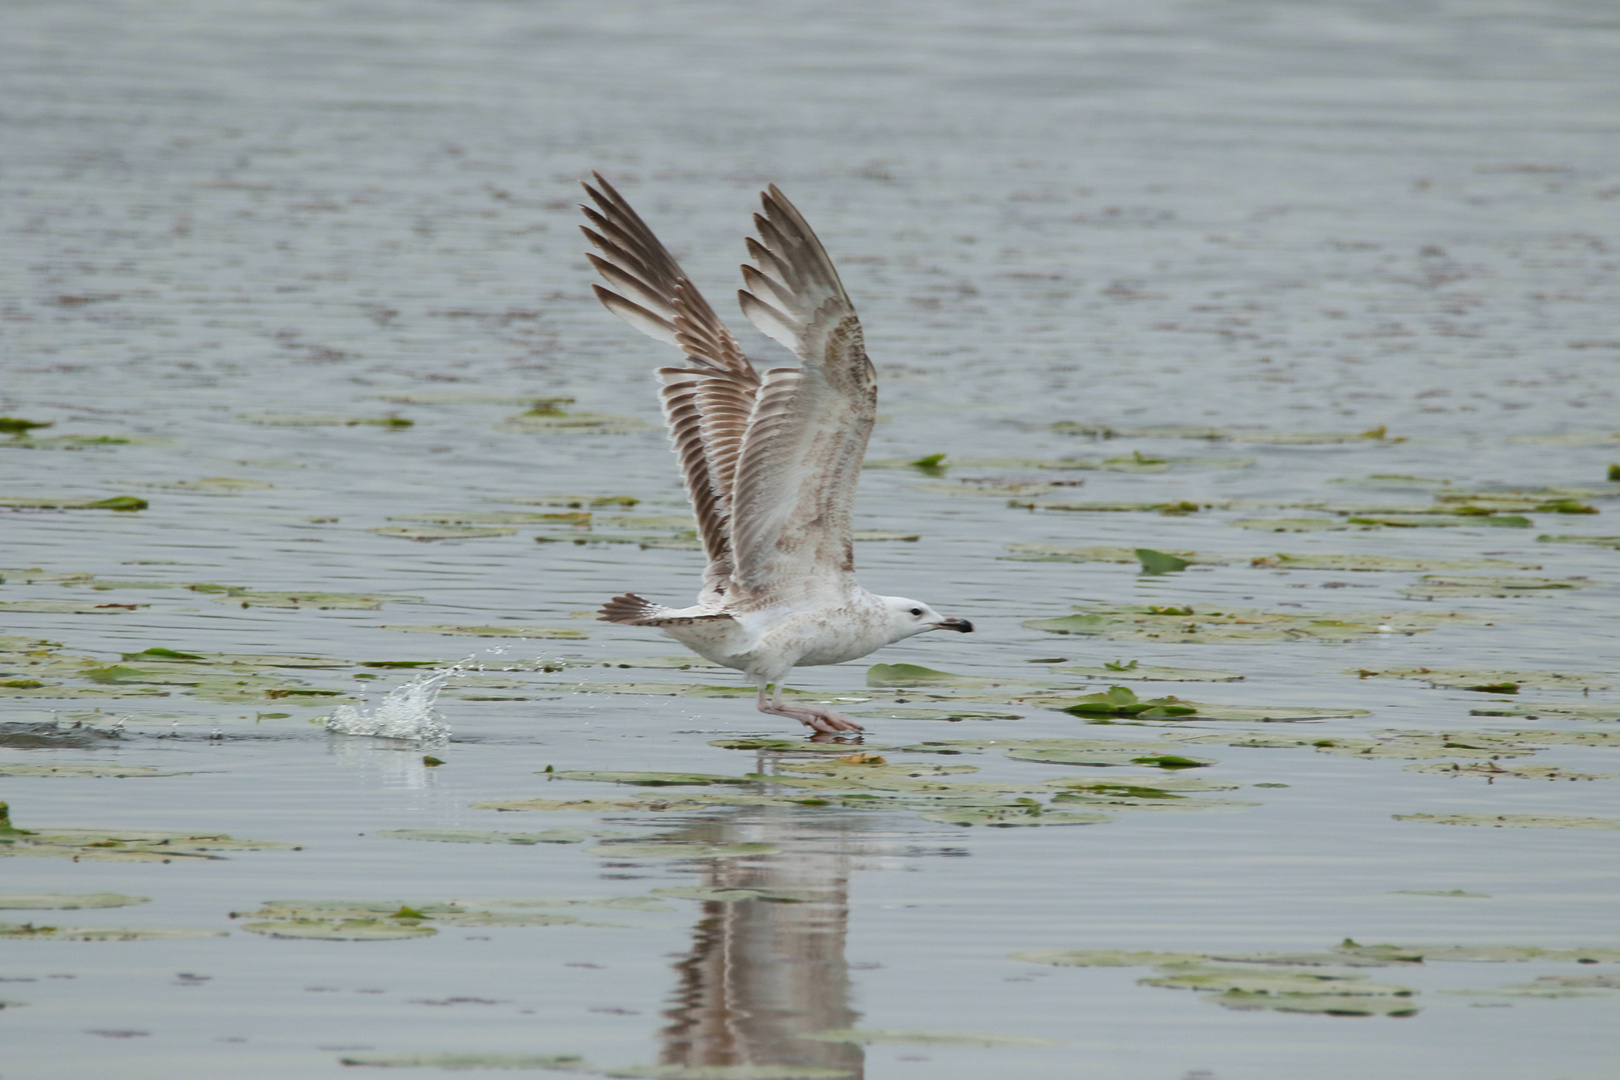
909, 617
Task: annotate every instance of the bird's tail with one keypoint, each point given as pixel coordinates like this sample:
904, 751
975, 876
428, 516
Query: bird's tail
629, 610
633, 610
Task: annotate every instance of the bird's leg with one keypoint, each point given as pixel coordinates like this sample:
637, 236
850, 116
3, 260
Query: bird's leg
823, 720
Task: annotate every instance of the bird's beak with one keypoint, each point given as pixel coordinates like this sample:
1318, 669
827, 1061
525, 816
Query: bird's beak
960, 625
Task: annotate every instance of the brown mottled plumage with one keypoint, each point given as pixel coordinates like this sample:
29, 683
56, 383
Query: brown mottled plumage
770, 461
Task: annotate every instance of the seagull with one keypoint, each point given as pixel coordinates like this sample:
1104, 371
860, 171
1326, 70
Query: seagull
770, 459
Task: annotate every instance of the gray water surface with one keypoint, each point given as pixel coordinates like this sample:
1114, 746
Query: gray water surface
240, 238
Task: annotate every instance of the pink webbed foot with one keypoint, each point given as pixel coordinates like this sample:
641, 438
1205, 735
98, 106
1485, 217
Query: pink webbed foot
824, 721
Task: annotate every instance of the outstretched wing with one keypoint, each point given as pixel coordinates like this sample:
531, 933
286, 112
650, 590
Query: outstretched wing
707, 403
801, 457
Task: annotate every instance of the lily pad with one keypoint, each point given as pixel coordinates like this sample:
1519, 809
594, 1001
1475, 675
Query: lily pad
1158, 562
870, 1037
1136, 672
125, 503
1594, 541
1103, 553
1491, 681
1514, 821
1248, 981
1106, 958
66, 901
649, 779
1443, 521
1301, 525
363, 929
133, 845
550, 420
1434, 586
916, 675
1317, 1004
442, 532
731, 895
683, 850
482, 836
1392, 563
1187, 625
216, 485
1006, 817
89, 770
290, 599
1491, 770
461, 1062
100, 933
68, 607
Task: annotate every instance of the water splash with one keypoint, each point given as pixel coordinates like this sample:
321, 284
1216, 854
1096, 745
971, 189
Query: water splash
405, 712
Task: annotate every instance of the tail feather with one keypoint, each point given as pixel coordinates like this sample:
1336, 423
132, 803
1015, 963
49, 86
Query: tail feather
629, 610
632, 610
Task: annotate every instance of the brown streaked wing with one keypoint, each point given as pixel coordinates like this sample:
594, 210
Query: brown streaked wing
801, 458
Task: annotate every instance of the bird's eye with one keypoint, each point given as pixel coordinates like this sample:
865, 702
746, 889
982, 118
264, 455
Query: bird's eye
916, 611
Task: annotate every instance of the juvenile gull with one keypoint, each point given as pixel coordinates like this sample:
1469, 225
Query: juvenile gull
770, 460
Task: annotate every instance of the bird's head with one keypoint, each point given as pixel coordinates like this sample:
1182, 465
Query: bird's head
909, 617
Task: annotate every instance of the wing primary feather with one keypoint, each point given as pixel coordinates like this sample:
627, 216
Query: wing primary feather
637, 316
773, 324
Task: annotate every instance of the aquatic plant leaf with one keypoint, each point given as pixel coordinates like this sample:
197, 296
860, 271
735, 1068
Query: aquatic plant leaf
125, 503
1443, 521
1316, 1004
68, 607
1514, 821
515, 630
461, 1062
916, 675
1594, 541
1005, 817
1106, 958
1189, 625
1434, 587
66, 901
1277, 983
1491, 681
1300, 525
89, 770
649, 779
1392, 563
377, 929
100, 933
482, 836
442, 532
121, 846
877, 1037
215, 485
683, 850
1147, 673
1157, 562
553, 421
324, 601
732, 895
1494, 771
1101, 553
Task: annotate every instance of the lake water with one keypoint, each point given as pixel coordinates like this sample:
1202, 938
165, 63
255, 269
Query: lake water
1270, 279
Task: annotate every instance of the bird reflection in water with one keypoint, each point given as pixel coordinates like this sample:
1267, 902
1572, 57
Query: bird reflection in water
763, 972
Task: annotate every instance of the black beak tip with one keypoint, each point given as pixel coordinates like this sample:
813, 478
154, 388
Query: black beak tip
962, 625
